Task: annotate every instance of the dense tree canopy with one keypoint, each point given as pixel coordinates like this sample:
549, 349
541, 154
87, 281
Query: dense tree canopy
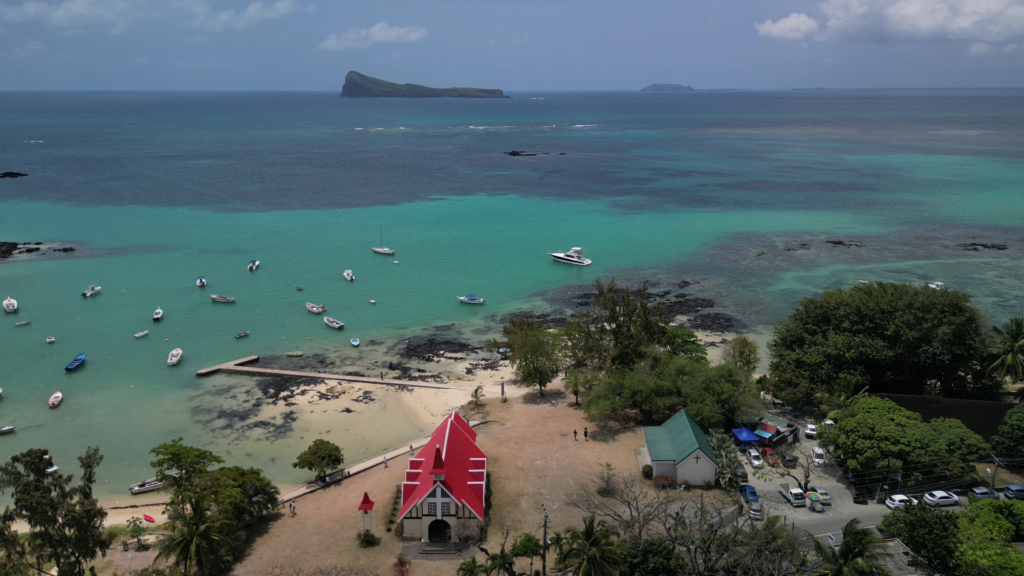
532, 350
932, 533
183, 466
895, 338
321, 456
1010, 437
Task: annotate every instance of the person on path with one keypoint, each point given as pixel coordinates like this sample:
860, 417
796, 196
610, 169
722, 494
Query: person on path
574, 436
385, 460
410, 448
586, 434
291, 508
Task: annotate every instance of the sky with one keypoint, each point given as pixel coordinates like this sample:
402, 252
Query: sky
515, 45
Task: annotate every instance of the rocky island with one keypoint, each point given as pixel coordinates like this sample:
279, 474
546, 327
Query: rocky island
667, 88
362, 86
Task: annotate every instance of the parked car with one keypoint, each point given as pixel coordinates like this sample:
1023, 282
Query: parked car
818, 456
860, 496
754, 458
982, 493
756, 511
823, 494
769, 456
941, 498
788, 460
811, 431
898, 501
748, 493
1014, 492
830, 422
741, 471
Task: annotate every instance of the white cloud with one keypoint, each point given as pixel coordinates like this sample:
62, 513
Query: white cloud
206, 18
895, 21
979, 49
1011, 47
380, 32
120, 13
73, 13
792, 27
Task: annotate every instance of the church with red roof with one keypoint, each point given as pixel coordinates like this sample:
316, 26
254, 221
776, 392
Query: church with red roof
445, 485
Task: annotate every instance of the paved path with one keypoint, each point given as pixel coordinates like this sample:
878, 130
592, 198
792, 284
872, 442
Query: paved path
240, 367
362, 466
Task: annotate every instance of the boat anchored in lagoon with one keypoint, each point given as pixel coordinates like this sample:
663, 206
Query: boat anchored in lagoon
382, 249
174, 357
253, 265
315, 308
141, 334
10, 305
75, 363
219, 298
55, 399
574, 256
336, 324
201, 281
348, 275
92, 289
470, 299
355, 342
158, 314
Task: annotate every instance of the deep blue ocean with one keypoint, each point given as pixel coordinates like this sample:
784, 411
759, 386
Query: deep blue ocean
736, 192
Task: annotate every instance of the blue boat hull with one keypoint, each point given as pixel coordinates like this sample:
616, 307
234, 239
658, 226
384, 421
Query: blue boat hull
78, 361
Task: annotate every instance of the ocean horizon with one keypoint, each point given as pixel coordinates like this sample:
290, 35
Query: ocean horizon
750, 199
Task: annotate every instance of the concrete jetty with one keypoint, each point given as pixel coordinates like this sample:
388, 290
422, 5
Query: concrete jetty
244, 366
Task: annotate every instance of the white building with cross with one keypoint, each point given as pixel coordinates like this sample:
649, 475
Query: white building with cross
679, 448
445, 488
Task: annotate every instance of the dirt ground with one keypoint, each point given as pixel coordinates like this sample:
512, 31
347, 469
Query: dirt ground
533, 461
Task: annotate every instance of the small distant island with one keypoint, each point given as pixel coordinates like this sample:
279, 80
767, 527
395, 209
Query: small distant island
362, 86
667, 88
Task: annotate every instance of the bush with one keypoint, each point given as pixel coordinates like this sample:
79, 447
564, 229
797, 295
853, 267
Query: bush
366, 538
647, 471
400, 530
665, 482
402, 565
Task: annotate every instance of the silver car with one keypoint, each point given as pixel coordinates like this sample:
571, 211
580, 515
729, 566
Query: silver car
982, 493
823, 494
755, 458
941, 498
818, 456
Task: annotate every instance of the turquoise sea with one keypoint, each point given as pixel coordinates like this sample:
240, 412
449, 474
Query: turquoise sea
737, 192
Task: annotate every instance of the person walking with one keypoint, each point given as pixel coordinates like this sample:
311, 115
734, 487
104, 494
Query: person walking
574, 436
586, 434
385, 460
410, 448
291, 508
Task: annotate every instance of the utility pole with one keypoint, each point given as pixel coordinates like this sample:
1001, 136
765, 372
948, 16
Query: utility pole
544, 548
996, 471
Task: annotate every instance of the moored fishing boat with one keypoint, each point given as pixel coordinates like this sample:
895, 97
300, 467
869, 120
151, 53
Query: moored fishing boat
150, 485
355, 342
174, 357
241, 335
158, 314
574, 256
470, 299
348, 275
219, 298
75, 362
10, 305
315, 308
7, 429
141, 334
55, 399
52, 469
92, 289
23, 322
336, 324
50, 339
382, 249
253, 265
294, 354
201, 281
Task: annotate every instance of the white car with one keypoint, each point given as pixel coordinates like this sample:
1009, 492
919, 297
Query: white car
818, 456
898, 501
755, 458
941, 498
811, 431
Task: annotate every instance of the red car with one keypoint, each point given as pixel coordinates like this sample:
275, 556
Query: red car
769, 456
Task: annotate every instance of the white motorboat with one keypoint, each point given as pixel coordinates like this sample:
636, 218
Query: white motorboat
382, 249
336, 324
55, 399
150, 485
201, 281
174, 357
92, 289
373, 301
574, 256
315, 308
348, 275
23, 322
50, 339
470, 299
6, 429
10, 305
936, 285
219, 298
253, 264
52, 469
141, 334
158, 314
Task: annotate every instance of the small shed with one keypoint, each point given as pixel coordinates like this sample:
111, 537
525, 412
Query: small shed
679, 448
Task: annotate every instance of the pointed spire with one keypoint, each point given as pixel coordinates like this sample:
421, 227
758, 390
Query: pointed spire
437, 468
366, 504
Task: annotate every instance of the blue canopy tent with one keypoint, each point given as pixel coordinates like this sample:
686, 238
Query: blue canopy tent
744, 435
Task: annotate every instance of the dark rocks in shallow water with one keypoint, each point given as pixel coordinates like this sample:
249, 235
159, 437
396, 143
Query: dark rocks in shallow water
976, 246
518, 153
684, 284
7, 248
12, 175
756, 254
711, 322
430, 349
685, 304
844, 243
802, 246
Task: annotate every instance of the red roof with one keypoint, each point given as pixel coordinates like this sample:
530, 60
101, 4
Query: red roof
451, 454
366, 504
768, 427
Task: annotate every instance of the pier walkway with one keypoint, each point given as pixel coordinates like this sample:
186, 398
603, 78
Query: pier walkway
242, 366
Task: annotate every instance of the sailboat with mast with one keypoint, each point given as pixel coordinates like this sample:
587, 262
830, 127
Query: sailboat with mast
382, 249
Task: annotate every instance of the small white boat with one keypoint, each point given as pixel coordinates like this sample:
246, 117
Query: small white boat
10, 305
373, 301
937, 285
158, 314
174, 357
201, 281
92, 289
470, 299
295, 354
52, 469
253, 264
315, 308
141, 334
355, 342
336, 324
6, 429
574, 256
219, 298
23, 322
348, 275
381, 249
241, 335
150, 485
55, 399
51, 339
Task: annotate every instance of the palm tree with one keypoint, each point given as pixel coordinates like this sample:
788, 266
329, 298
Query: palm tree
728, 470
476, 395
591, 549
860, 554
471, 568
199, 541
720, 444
1006, 345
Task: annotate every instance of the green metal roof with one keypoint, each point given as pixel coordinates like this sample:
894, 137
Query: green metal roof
676, 439
778, 422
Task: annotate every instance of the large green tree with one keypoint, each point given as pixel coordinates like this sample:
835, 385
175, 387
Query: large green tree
896, 338
1010, 437
743, 352
201, 541
649, 557
959, 441
321, 456
532, 350
931, 533
184, 467
65, 521
243, 495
